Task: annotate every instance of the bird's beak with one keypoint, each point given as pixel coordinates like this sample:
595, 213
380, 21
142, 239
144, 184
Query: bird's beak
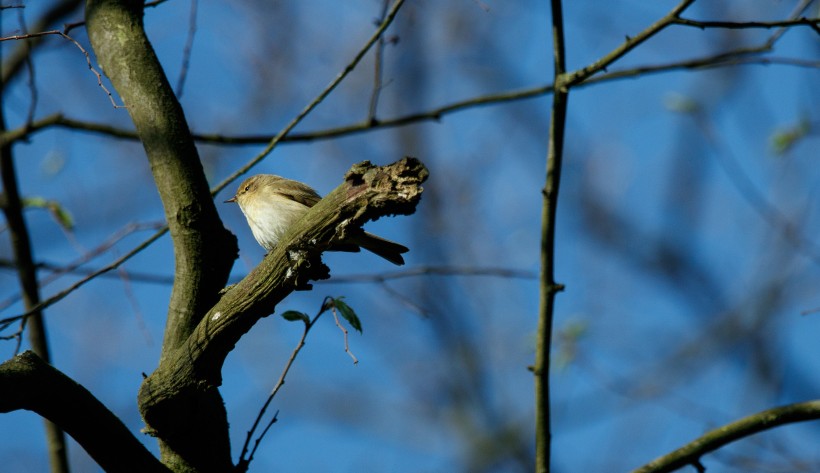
232, 199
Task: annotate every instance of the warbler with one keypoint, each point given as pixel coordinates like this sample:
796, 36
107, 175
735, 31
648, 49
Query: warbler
271, 204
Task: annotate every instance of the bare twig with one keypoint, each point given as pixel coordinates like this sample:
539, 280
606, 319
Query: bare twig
747, 24
74, 266
631, 43
344, 334
691, 453
242, 464
12, 207
739, 57
328, 304
21, 18
5, 322
315, 102
564, 81
548, 288
271, 145
433, 271
186, 52
377, 68
79, 46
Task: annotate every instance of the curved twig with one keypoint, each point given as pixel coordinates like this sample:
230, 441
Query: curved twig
691, 453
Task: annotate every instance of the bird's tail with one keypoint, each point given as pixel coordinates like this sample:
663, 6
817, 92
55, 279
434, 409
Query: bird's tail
389, 250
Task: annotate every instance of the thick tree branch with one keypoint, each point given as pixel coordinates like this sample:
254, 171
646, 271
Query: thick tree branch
368, 192
691, 453
204, 250
27, 382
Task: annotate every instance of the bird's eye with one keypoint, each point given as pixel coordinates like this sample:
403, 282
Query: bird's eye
247, 188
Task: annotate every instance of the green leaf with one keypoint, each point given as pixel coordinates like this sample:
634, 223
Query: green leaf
60, 214
784, 139
348, 314
294, 315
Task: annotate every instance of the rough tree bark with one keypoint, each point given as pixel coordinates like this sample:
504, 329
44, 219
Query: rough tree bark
204, 250
180, 401
167, 397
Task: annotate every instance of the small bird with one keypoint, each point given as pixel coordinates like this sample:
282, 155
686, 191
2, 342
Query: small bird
272, 204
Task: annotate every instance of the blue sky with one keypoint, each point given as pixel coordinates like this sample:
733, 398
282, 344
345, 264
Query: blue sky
667, 348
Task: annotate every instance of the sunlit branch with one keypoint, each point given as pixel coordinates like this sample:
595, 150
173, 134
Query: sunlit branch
691, 453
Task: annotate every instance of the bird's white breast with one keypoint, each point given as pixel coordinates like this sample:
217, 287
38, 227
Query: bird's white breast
270, 217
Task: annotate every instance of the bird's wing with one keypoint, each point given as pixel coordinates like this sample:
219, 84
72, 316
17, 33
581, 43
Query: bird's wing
303, 195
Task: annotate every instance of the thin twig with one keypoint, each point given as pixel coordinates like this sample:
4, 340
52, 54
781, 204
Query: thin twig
431, 271
62, 294
315, 102
796, 13
345, 333
79, 46
73, 267
739, 57
258, 440
547, 285
564, 81
329, 303
631, 43
747, 24
31, 82
377, 68
691, 453
186, 52
59, 296
135, 305
242, 464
